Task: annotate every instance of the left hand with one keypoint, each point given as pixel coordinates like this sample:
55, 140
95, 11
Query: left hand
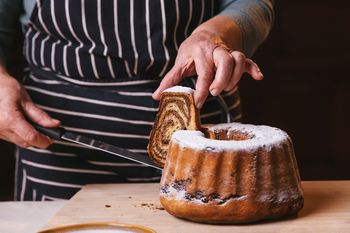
218, 69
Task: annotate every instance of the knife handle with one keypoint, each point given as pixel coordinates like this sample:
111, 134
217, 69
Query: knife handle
54, 133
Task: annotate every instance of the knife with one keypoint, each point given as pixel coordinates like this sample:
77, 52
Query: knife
60, 133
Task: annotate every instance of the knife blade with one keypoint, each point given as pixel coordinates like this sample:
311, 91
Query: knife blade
60, 133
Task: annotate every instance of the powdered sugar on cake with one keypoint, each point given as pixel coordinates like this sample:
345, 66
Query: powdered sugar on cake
179, 89
260, 136
180, 195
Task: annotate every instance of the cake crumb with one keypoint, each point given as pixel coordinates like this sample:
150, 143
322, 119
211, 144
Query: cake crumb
151, 206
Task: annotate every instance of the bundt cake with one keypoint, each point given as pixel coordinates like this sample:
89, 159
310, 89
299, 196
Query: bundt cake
176, 111
232, 173
226, 173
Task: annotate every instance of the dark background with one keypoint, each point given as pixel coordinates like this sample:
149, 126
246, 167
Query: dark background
306, 89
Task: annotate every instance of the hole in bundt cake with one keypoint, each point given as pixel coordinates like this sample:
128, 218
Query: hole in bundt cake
227, 135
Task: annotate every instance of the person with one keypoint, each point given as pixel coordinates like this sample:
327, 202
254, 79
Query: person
98, 68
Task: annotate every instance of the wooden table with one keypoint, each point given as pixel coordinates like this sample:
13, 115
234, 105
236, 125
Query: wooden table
26, 216
327, 209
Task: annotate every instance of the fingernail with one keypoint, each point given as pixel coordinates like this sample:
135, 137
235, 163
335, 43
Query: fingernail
199, 104
214, 92
50, 140
56, 121
155, 95
261, 74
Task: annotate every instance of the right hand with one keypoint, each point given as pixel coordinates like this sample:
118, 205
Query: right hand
204, 54
15, 107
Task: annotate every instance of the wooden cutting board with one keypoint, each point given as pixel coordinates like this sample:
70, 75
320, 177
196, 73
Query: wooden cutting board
327, 209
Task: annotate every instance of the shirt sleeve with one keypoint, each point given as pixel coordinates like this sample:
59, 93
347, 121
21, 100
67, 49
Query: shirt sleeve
254, 17
10, 11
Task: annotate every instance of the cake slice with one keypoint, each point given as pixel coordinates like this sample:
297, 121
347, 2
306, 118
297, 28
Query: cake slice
177, 111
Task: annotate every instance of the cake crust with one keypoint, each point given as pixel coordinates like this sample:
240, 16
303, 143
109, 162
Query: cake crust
246, 211
229, 184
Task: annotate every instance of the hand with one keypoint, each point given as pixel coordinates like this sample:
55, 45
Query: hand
15, 104
204, 54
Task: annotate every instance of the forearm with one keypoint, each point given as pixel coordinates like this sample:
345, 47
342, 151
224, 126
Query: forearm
253, 17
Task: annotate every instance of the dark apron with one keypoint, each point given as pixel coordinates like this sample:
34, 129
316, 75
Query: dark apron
94, 64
